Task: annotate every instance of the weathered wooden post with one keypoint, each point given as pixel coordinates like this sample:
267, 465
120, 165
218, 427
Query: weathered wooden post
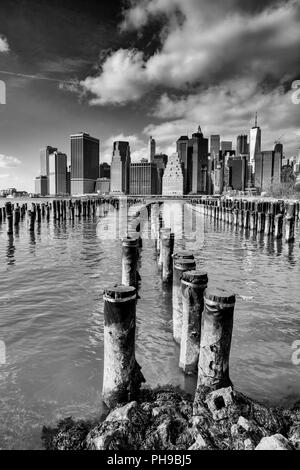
241, 218
162, 232
31, 216
122, 376
216, 334
289, 229
235, 217
278, 225
180, 266
246, 219
9, 217
253, 221
193, 285
269, 224
129, 261
260, 222
167, 249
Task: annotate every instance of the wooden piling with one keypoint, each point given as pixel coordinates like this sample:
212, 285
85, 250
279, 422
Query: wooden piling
260, 222
180, 266
122, 376
129, 261
167, 249
193, 285
278, 225
216, 334
289, 229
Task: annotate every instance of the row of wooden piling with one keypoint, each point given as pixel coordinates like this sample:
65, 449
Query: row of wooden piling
269, 218
202, 320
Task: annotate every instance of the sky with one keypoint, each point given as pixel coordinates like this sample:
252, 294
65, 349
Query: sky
128, 70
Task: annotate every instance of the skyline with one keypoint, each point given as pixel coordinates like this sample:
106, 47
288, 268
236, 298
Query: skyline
122, 74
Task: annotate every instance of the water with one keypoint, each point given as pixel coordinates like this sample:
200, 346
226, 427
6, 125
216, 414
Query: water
52, 322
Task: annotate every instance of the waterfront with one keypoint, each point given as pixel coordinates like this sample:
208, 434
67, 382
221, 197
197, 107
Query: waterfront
51, 319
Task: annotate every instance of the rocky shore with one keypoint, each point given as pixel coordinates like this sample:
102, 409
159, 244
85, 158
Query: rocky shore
168, 419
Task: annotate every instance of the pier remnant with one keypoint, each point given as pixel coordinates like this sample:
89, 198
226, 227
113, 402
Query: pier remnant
216, 334
290, 229
129, 261
167, 248
122, 376
193, 285
180, 266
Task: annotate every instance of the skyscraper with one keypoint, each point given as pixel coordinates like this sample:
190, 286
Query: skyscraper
254, 147
143, 178
242, 147
152, 145
268, 165
199, 149
44, 164
161, 161
120, 166
226, 146
215, 145
173, 177
185, 156
57, 174
84, 163
41, 185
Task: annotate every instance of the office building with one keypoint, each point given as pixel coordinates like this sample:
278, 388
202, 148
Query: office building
143, 179
57, 174
226, 146
199, 158
238, 172
268, 165
44, 163
103, 186
84, 163
120, 167
69, 180
104, 170
160, 161
173, 177
215, 146
41, 185
254, 148
152, 146
242, 146
185, 153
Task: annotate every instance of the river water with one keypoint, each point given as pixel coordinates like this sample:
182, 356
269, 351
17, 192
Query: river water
51, 318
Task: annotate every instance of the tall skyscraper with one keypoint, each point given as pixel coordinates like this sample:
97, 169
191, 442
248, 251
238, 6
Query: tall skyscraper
120, 167
161, 161
199, 149
242, 146
84, 163
41, 185
143, 178
226, 146
215, 146
104, 170
57, 174
268, 165
173, 177
44, 163
152, 145
185, 156
254, 147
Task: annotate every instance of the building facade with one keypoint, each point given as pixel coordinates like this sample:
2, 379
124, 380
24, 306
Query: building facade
173, 180
58, 174
120, 168
268, 166
41, 185
254, 149
242, 146
104, 170
143, 179
199, 159
160, 161
152, 146
84, 163
44, 163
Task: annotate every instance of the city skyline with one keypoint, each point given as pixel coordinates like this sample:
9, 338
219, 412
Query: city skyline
54, 90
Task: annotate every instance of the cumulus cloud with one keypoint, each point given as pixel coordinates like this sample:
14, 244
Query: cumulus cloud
4, 47
202, 42
9, 162
229, 110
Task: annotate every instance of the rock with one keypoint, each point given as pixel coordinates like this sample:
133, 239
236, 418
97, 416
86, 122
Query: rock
275, 442
294, 436
249, 445
200, 444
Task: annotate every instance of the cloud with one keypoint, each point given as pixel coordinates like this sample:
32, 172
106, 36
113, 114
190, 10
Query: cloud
202, 43
138, 147
122, 79
4, 47
9, 162
229, 109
